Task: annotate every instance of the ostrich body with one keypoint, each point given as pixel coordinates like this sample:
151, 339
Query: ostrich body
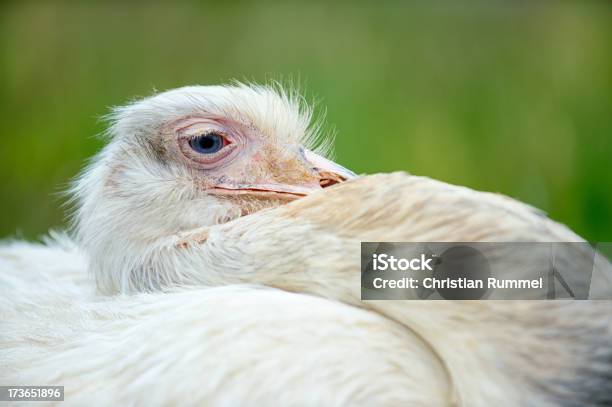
222, 346
162, 208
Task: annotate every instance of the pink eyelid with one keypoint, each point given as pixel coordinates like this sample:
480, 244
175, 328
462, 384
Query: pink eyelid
201, 128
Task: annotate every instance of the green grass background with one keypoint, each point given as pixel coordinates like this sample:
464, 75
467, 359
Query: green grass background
512, 96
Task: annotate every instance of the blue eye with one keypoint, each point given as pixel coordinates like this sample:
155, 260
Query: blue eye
207, 143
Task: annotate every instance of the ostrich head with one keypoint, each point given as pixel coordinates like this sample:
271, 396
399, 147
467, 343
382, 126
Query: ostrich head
193, 157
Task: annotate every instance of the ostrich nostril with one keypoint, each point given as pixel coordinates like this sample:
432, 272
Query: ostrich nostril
327, 178
325, 182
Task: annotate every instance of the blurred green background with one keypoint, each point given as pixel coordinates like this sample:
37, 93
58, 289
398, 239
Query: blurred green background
513, 97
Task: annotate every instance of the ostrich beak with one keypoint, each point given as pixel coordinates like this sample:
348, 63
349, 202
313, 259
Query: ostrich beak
329, 172
310, 173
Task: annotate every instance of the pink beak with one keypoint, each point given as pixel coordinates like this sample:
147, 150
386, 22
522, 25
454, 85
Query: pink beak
330, 172
321, 173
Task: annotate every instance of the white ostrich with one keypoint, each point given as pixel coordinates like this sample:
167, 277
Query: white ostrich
161, 217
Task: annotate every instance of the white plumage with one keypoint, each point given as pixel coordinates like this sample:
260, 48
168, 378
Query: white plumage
234, 345
163, 233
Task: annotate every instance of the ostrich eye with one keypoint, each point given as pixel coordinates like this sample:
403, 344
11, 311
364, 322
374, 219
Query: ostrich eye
207, 143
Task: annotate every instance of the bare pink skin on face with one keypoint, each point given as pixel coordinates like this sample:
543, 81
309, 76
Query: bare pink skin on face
251, 163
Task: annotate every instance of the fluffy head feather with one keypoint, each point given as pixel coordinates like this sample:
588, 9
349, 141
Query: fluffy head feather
156, 179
